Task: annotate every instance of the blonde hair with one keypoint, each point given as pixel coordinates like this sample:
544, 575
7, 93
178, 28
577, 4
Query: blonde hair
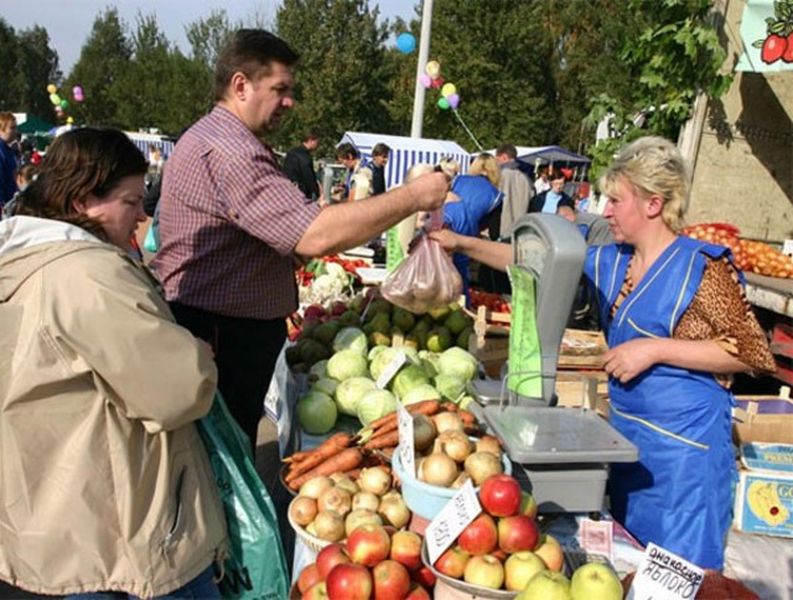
417, 171
487, 165
653, 165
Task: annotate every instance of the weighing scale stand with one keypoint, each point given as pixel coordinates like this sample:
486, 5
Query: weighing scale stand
563, 453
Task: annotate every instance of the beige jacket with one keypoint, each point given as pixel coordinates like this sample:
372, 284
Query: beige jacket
104, 481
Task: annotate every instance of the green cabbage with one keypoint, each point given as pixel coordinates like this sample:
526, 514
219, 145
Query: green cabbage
326, 385
381, 361
346, 364
375, 352
350, 391
408, 378
458, 363
318, 370
351, 338
375, 404
316, 412
422, 392
450, 387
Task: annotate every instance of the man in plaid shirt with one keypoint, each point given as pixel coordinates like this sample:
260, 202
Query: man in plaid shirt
232, 225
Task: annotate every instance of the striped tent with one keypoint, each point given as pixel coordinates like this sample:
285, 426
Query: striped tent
406, 152
144, 140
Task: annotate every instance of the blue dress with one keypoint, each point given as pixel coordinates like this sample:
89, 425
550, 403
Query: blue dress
679, 494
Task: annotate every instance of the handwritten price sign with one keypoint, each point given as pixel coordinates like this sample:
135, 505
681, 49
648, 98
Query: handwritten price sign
663, 575
449, 523
407, 454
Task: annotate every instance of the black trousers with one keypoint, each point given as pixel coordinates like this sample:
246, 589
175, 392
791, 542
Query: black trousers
245, 352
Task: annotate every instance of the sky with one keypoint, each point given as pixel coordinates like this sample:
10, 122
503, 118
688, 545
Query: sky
69, 22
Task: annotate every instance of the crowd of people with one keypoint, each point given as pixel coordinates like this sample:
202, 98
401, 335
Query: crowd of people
106, 486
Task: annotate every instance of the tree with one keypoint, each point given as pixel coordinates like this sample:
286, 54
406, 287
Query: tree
103, 58
207, 36
340, 82
37, 67
8, 58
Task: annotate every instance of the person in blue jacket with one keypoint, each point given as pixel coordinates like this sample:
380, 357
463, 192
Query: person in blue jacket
677, 325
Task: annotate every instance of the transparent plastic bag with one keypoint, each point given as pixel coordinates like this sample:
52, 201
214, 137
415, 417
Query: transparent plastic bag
426, 279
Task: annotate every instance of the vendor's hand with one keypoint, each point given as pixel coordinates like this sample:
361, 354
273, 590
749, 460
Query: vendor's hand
448, 240
628, 360
430, 190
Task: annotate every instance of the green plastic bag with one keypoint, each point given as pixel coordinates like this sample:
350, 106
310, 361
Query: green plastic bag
525, 360
255, 568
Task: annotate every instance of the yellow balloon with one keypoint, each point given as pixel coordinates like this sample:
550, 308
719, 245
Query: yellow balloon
70, 120
448, 89
433, 68
51, 89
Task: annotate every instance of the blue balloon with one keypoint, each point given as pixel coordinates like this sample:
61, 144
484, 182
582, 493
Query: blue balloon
406, 43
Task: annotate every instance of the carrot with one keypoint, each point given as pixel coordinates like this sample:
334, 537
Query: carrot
418, 407
449, 406
425, 407
339, 438
346, 460
467, 417
353, 473
384, 441
329, 448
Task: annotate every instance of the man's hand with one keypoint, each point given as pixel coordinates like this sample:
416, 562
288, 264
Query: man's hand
430, 190
448, 240
628, 360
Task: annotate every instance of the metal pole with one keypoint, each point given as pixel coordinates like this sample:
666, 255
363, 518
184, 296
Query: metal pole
424, 50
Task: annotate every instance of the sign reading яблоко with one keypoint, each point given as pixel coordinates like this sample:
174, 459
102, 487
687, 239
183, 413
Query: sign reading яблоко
663, 575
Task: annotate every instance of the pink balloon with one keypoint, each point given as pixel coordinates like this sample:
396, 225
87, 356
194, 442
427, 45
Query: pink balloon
425, 80
454, 100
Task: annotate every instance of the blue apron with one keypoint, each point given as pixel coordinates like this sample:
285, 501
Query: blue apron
679, 494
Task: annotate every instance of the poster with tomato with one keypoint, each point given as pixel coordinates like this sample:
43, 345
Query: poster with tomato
767, 34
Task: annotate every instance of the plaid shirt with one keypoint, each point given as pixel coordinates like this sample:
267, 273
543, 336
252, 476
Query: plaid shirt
229, 223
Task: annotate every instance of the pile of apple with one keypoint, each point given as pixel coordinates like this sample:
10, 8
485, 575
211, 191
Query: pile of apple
503, 549
376, 562
330, 508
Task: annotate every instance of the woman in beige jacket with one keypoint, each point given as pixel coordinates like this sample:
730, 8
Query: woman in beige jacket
104, 481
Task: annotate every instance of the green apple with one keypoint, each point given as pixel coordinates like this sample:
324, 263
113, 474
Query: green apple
595, 581
485, 570
546, 585
520, 568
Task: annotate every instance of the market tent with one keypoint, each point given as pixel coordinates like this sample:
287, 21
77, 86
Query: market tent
32, 125
144, 140
406, 152
548, 154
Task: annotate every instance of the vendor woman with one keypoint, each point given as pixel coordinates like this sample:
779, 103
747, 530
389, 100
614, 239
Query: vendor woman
677, 325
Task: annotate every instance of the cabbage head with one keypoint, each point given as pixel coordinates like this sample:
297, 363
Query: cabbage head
326, 385
351, 338
349, 393
408, 378
318, 370
381, 361
346, 364
450, 387
375, 352
375, 404
419, 393
458, 363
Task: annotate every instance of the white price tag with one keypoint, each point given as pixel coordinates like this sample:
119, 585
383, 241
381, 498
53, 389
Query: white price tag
391, 370
665, 576
449, 523
407, 455
597, 537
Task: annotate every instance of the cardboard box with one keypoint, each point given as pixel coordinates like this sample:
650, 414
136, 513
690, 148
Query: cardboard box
764, 504
763, 419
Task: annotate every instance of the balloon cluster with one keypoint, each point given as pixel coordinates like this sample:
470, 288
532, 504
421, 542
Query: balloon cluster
61, 105
431, 78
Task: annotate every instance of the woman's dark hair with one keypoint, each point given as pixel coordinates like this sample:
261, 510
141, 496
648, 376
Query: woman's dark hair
250, 51
78, 163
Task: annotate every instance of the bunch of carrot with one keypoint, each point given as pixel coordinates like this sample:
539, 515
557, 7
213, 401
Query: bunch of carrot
335, 455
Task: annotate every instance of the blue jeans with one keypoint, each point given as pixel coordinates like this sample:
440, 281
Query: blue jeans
200, 588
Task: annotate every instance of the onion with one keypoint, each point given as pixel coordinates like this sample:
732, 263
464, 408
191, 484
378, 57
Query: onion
447, 421
360, 517
439, 469
456, 445
329, 526
374, 480
365, 500
481, 465
335, 499
303, 510
314, 487
344, 482
488, 443
461, 479
395, 512
423, 432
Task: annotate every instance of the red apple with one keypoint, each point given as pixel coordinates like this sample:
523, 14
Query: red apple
318, 591
368, 545
349, 582
500, 495
418, 593
519, 568
517, 533
329, 557
452, 562
528, 505
550, 551
308, 577
486, 571
500, 554
391, 581
425, 576
406, 549
480, 537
